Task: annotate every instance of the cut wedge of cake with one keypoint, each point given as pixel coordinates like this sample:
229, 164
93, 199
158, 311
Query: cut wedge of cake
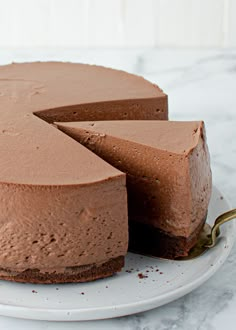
168, 178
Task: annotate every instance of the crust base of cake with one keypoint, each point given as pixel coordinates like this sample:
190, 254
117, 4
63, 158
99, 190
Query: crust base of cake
76, 274
149, 240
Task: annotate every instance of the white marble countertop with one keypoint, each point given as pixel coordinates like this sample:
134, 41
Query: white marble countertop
201, 85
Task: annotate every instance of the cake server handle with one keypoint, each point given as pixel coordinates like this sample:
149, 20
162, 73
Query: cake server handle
215, 231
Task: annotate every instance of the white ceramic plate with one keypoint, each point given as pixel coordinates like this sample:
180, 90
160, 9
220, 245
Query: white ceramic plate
125, 293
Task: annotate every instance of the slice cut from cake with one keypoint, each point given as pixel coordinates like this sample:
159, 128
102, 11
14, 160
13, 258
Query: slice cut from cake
168, 178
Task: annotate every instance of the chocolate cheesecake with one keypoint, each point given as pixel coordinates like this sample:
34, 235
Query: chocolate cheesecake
168, 178
63, 209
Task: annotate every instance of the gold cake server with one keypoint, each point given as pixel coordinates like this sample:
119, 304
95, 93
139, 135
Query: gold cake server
208, 236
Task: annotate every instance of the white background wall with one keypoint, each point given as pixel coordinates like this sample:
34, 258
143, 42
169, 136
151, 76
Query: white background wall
119, 23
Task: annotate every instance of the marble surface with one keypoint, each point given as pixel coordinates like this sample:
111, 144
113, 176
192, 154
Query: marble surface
201, 85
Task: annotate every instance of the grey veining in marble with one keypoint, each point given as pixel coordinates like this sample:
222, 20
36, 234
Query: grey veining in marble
200, 85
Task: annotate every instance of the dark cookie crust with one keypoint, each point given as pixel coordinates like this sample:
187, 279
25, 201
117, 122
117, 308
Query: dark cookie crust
76, 274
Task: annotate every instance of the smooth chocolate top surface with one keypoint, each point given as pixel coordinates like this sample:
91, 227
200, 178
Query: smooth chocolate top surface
46, 85
34, 152
173, 136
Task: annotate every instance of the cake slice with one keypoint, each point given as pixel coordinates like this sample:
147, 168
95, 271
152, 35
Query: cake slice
168, 178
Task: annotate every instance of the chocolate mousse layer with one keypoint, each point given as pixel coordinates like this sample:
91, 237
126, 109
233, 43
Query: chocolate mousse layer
62, 206
54, 228
168, 176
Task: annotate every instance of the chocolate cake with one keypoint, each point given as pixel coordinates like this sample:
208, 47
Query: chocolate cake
63, 209
168, 178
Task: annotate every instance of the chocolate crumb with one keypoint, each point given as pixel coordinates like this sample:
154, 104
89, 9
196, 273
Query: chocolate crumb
106, 287
82, 293
57, 288
34, 291
221, 197
157, 270
141, 276
161, 272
